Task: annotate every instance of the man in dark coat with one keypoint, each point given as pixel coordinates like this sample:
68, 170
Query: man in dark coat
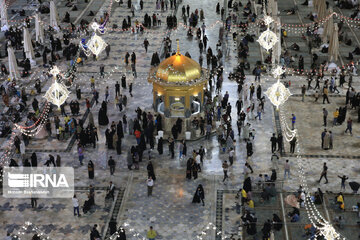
111, 164
123, 81
273, 141
34, 160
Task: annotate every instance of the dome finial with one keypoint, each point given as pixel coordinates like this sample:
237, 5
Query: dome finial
178, 47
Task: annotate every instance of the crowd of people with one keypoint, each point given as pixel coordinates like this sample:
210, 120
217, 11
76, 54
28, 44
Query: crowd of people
218, 117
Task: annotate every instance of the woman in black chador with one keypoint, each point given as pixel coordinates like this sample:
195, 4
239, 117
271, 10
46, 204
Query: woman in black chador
150, 170
103, 118
109, 138
199, 195
91, 169
155, 60
188, 168
118, 146
120, 130
160, 146
184, 148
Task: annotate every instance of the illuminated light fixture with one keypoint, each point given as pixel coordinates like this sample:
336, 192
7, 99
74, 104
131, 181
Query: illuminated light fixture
177, 99
268, 20
96, 27
329, 232
95, 45
267, 39
54, 71
278, 94
29, 226
57, 94
277, 72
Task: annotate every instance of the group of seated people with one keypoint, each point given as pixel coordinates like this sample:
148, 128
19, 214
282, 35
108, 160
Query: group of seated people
318, 197
275, 224
294, 215
71, 4
110, 194
249, 221
268, 189
298, 201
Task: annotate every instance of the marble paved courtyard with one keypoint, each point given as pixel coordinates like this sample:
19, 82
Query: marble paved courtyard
170, 209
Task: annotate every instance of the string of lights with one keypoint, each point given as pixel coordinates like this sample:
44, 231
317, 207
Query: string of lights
208, 230
30, 226
16, 130
317, 220
290, 70
37, 126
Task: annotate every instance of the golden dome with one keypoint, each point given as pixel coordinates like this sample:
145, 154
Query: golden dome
178, 68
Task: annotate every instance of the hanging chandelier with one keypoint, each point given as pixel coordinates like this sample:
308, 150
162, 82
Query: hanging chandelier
278, 93
278, 71
97, 27
54, 71
57, 94
268, 38
95, 45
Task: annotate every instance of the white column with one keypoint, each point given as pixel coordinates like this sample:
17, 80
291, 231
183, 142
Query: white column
28, 48
54, 16
4, 17
39, 29
13, 67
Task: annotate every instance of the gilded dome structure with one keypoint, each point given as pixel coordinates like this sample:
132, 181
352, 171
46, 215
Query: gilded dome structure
178, 68
178, 86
